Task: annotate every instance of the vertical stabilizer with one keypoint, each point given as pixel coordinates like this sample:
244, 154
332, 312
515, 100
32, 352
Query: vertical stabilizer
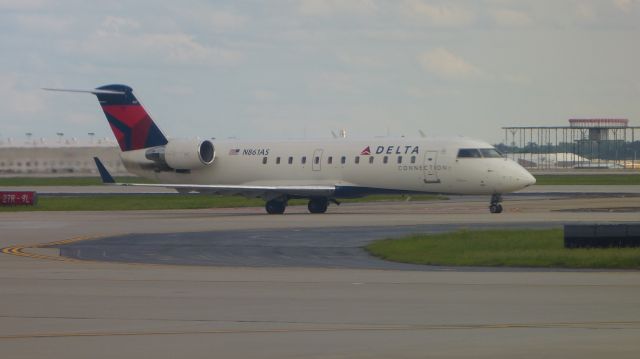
131, 124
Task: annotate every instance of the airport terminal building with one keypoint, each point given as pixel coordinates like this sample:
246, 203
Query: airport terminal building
58, 158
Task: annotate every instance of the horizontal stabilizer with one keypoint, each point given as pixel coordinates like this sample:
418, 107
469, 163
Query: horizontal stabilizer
94, 91
104, 174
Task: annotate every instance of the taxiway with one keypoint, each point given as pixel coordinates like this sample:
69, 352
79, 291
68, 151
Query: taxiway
52, 306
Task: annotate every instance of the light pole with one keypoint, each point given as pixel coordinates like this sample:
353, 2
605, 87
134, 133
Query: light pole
60, 134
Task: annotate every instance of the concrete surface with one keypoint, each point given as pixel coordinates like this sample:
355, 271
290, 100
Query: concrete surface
79, 309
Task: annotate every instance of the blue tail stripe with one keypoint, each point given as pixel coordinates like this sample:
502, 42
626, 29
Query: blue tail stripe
126, 131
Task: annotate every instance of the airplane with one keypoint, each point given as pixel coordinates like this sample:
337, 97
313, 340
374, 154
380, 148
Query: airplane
322, 171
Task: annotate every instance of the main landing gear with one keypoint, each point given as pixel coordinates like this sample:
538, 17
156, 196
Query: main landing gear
495, 206
318, 205
275, 206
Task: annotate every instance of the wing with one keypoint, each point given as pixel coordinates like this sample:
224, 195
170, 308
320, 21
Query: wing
245, 190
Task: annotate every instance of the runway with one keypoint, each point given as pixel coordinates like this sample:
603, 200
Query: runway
283, 308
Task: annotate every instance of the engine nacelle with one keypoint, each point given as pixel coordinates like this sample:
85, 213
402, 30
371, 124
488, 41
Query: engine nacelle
182, 155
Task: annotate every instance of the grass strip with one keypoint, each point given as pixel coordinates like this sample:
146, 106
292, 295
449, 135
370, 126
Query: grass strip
501, 248
64, 181
169, 201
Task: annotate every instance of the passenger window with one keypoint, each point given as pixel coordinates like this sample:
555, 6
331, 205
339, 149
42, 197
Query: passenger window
399, 159
371, 159
316, 160
290, 160
469, 153
264, 160
277, 160
343, 160
304, 160
385, 159
357, 159
413, 159
490, 153
330, 160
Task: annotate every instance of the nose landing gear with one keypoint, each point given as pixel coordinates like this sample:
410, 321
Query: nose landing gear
495, 206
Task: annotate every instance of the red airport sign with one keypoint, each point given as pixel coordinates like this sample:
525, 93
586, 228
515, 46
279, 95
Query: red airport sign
28, 198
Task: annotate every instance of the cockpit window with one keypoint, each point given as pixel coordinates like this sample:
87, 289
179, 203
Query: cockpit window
469, 153
490, 153
478, 153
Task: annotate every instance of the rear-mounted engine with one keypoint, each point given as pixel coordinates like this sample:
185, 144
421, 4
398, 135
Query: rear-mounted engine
181, 155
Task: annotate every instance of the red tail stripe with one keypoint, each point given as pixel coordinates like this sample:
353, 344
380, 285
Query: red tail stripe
136, 118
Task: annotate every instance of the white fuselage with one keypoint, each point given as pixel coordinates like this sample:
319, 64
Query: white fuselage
403, 164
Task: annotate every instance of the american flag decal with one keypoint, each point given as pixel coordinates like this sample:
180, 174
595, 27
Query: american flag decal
234, 151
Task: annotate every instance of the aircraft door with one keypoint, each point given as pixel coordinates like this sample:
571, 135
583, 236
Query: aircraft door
430, 167
316, 161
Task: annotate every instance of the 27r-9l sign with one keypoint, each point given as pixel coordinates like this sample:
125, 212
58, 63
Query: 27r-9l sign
22, 198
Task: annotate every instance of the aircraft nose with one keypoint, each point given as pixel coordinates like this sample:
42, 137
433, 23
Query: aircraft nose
525, 178
529, 179
518, 177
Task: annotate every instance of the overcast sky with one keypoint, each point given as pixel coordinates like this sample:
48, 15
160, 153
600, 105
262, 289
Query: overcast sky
290, 69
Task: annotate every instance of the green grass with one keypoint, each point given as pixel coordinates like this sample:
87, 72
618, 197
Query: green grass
621, 179
64, 181
501, 248
166, 201
132, 202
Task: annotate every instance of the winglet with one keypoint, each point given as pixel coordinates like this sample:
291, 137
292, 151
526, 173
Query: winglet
104, 174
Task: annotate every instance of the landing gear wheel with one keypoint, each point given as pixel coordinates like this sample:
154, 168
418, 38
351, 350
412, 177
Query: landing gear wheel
318, 205
495, 206
275, 206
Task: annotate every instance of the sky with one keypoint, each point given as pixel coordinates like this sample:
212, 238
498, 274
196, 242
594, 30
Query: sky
294, 69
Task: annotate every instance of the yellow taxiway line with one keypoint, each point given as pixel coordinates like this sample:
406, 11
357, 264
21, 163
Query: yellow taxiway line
22, 250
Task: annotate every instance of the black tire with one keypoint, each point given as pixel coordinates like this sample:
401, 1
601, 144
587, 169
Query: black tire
275, 207
318, 205
495, 208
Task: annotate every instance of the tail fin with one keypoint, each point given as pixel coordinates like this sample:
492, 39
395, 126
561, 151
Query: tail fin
133, 127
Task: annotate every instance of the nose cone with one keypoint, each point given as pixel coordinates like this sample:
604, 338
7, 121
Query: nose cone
524, 178
516, 177
528, 179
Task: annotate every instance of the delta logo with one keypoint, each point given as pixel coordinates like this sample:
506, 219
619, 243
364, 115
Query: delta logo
390, 150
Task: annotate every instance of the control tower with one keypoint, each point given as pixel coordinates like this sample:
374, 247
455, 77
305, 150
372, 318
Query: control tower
599, 129
608, 143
